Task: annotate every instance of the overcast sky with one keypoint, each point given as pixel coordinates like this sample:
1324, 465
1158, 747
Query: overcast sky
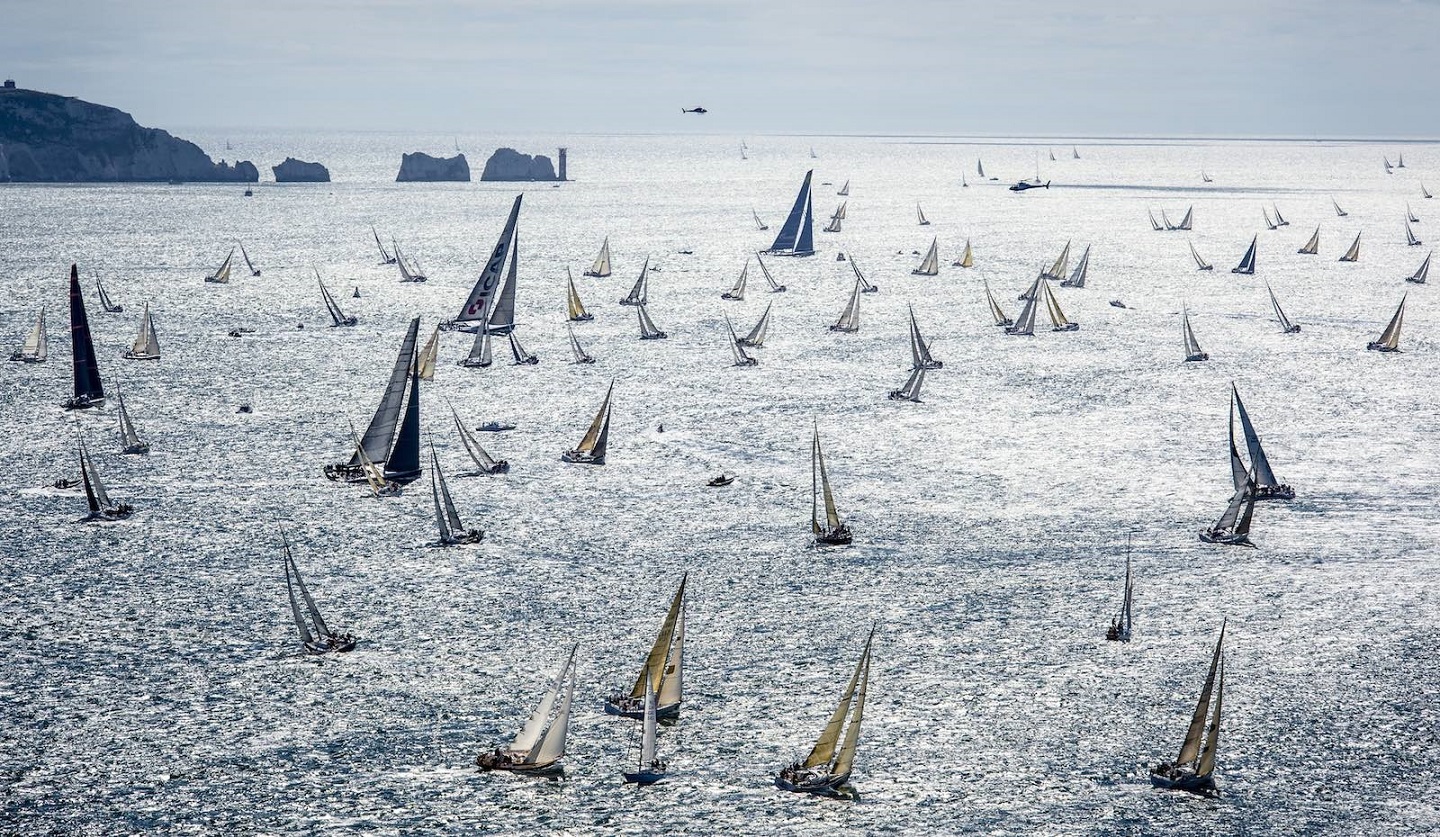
1071, 68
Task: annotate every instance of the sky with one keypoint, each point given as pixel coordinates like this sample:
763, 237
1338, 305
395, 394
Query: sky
1322, 68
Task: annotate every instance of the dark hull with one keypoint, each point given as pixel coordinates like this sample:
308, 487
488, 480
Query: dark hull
501, 761
1224, 539
643, 777
835, 537
820, 784
1377, 346
81, 402
1191, 783
627, 707
1197, 358
1274, 492
575, 457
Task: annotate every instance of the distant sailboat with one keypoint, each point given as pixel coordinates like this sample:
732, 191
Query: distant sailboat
967, 259
447, 518
601, 267
409, 268
833, 532
1260, 476
1081, 271
1194, 769
1400, 161
1058, 321
980, 168
1188, 222
1074, 152
338, 318
865, 286
844, 190
106, 303
481, 355
576, 350
1269, 224
648, 330
1338, 211
836, 220
1052, 155
920, 357
1247, 263
849, 321
995, 311
476, 310
813, 155
1233, 527
1200, 264
1279, 219
37, 343
1410, 238
1410, 215
1390, 338
254, 271
1286, 327
222, 273
662, 675
737, 350
482, 459
315, 636
796, 236
398, 451
518, 353
1205, 178
911, 389
775, 287
756, 338
540, 745
640, 292
146, 345
1418, 277
592, 448
385, 257
1389, 169
759, 225
1025, 323
1425, 193
574, 308
130, 441
102, 509
1154, 225
930, 265
1187, 337
1119, 630
1165, 221
89, 391
826, 770
737, 291
1061, 266
920, 213
1353, 254
1313, 245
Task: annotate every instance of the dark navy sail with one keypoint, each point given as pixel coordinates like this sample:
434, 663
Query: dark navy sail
381, 431
796, 237
403, 464
89, 391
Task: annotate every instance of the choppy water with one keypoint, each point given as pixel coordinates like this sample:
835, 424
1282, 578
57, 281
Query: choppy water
151, 680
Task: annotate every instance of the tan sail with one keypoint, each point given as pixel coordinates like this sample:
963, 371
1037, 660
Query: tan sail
846, 759
1190, 749
602, 416
967, 259
575, 308
1313, 245
655, 663
428, 356
1353, 254
1052, 305
825, 745
1212, 735
1061, 266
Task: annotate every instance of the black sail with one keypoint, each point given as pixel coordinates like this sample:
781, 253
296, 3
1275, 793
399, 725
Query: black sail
87, 374
403, 464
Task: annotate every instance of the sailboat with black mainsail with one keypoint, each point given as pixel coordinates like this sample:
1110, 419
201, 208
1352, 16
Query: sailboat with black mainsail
452, 530
833, 532
601, 266
1193, 352
640, 291
796, 236
37, 342
756, 338
574, 308
540, 744
254, 271
1024, 324
775, 287
102, 509
476, 310
130, 441
1353, 254
222, 273
108, 305
1286, 327
1260, 475
338, 318
1081, 271
995, 311
315, 636
89, 391
737, 291
1390, 338
385, 257
1200, 264
398, 452
920, 357
1233, 527
930, 265
518, 352
591, 450
1418, 277
849, 321
1247, 262
662, 676
482, 459
826, 770
737, 350
576, 350
1194, 768
1119, 630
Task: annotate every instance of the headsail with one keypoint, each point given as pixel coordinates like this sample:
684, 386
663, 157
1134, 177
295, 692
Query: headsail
1082, 269
930, 265
428, 355
1247, 263
756, 337
601, 267
850, 318
1353, 254
37, 343
796, 236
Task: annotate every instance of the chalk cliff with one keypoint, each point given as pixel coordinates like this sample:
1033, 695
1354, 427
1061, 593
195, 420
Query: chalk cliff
421, 167
507, 164
299, 171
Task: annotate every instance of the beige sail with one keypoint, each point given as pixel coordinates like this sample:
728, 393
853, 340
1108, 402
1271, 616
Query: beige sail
1212, 736
598, 425
995, 310
552, 746
967, 259
672, 682
374, 476
1353, 254
428, 356
575, 308
1313, 245
832, 517
529, 735
653, 671
1057, 317
846, 759
1061, 266
1190, 749
601, 267
825, 745
222, 273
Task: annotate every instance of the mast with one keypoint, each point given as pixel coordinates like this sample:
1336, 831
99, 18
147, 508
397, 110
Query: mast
477, 304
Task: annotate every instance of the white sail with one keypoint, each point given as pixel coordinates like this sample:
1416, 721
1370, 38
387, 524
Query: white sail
850, 318
1154, 225
737, 291
759, 225
222, 273
844, 190
672, 681
1410, 215
575, 348
1338, 211
1187, 336
775, 287
648, 331
1057, 317
1188, 221
1269, 224
428, 356
1279, 219
820, 490
920, 214
1025, 322
1313, 245
995, 310
920, 357
911, 390
737, 349
146, 345
37, 343
865, 286
1061, 266
1422, 272
601, 267
1081, 271
930, 265
1353, 254
640, 292
529, 734
1165, 221
1199, 262
1390, 337
756, 337
552, 746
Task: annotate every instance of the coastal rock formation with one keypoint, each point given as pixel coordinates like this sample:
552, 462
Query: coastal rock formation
299, 171
421, 167
45, 138
509, 164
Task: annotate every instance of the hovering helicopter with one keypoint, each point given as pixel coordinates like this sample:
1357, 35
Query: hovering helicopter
693, 110
1023, 185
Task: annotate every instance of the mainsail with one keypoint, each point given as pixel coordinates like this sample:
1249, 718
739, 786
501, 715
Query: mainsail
1418, 278
146, 345
930, 265
409, 268
576, 350
756, 337
502, 309
796, 235
1200, 263
601, 267
1286, 326
1279, 219
1082, 269
476, 308
574, 308
1313, 245
844, 190
1247, 264
591, 450
967, 259
865, 286
89, 391
737, 291
640, 291
849, 321
1390, 338
1353, 254
37, 343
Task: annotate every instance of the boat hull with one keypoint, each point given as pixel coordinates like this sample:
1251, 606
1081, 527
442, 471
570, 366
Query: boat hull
1197, 357
136, 449
1225, 539
576, 457
1274, 492
821, 784
128, 355
643, 777
1186, 782
337, 644
1067, 327
839, 536
1377, 346
659, 335
500, 760
624, 706
844, 329
473, 536
82, 402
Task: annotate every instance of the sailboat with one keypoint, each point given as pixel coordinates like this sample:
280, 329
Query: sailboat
920, 357
662, 675
89, 390
967, 259
483, 460
1082, 270
101, 507
1058, 321
737, 349
1205, 178
37, 343
1418, 278
1061, 266
849, 321
1188, 222
254, 271
385, 257
146, 345
1353, 254
1200, 264
1286, 327
1400, 161
428, 355
980, 168
833, 532
371, 474
865, 286
1425, 193
1410, 215
813, 155
648, 330
759, 225
502, 307
591, 450
999, 315
1279, 219
315, 636
775, 287
106, 304
1410, 238
1024, 324
737, 291
130, 441
517, 351
1154, 225
399, 451
1338, 211
1052, 155
911, 390
796, 237
1389, 169
756, 338
651, 768
540, 744
1165, 221
962, 180
222, 273
1247, 263
844, 190
575, 349
447, 519
640, 292
920, 213
409, 268
1390, 338
930, 265
1269, 224
836, 220
1194, 769
1074, 152
575, 309
1260, 476
476, 310
1187, 337
480, 353
338, 318
601, 266
1119, 630
826, 770
1233, 527
1313, 245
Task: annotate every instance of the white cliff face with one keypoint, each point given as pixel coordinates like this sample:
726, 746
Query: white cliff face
57, 139
507, 164
421, 167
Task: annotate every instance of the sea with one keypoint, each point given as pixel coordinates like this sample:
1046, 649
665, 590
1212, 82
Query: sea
153, 681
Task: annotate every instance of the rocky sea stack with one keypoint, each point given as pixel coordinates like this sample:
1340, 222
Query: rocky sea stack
507, 164
421, 167
299, 171
45, 138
